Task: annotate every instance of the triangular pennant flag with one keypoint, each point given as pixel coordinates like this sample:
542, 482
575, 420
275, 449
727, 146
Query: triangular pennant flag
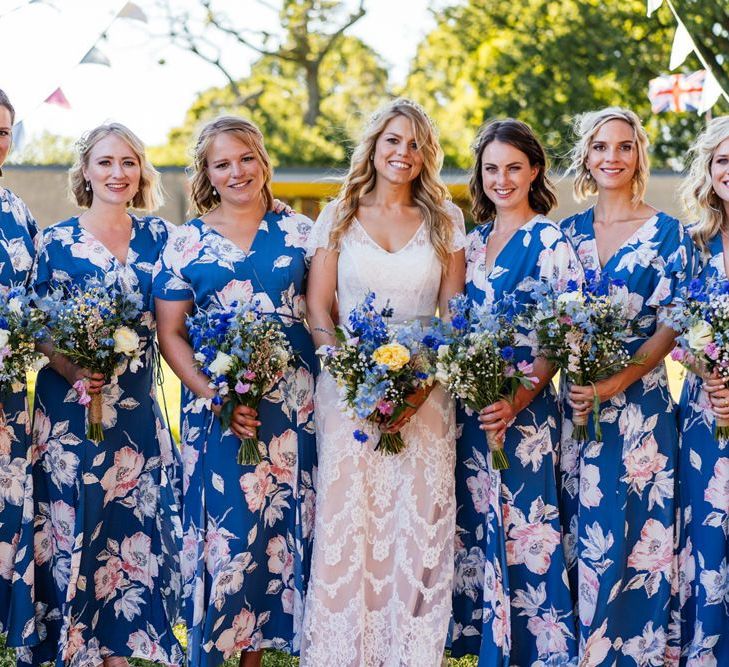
18, 135
95, 57
682, 46
132, 11
653, 5
711, 93
58, 98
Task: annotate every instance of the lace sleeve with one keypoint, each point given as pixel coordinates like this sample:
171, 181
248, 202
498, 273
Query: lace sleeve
320, 230
459, 227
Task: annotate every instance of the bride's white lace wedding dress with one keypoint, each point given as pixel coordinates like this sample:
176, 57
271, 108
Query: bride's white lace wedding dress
380, 588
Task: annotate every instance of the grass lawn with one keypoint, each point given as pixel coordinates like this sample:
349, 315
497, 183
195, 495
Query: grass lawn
171, 395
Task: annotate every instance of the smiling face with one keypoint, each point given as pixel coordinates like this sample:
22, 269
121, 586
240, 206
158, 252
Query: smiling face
6, 133
506, 175
720, 172
612, 158
397, 156
113, 170
234, 170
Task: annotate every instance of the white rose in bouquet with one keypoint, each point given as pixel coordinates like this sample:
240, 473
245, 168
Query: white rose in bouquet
221, 363
126, 341
700, 335
4, 337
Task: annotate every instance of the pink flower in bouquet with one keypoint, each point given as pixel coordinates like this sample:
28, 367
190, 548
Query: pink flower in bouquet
241, 388
678, 354
712, 351
385, 408
509, 371
83, 395
249, 374
527, 368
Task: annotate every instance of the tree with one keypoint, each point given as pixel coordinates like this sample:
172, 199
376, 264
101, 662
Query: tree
312, 30
44, 149
543, 61
353, 83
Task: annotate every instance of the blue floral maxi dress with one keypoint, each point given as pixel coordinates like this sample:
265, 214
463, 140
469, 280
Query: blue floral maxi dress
619, 494
511, 603
17, 231
704, 483
247, 529
107, 526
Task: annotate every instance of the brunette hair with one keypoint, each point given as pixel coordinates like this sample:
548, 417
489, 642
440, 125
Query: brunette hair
542, 197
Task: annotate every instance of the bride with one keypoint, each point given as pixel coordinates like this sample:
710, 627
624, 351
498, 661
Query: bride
382, 566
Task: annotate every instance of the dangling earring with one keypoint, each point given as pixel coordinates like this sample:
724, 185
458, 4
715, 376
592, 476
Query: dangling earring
88, 186
215, 192
372, 157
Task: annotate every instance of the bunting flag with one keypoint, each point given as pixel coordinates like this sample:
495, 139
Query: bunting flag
653, 5
669, 93
712, 93
677, 92
95, 57
58, 98
18, 135
683, 45
132, 11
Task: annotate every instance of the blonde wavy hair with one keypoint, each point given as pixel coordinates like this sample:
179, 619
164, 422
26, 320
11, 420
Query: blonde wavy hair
586, 127
149, 195
428, 190
204, 197
698, 194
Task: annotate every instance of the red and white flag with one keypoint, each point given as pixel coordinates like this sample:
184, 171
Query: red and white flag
676, 92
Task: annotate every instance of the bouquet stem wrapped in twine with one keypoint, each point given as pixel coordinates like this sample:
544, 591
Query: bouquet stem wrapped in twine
94, 415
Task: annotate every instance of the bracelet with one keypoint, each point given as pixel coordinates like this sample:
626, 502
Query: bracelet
323, 330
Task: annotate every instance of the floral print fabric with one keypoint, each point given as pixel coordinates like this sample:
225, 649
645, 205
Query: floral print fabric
107, 527
511, 602
619, 494
17, 231
704, 514
247, 529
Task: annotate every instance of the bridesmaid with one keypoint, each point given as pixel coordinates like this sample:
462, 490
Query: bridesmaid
704, 462
17, 231
247, 529
107, 530
517, 562
619, 493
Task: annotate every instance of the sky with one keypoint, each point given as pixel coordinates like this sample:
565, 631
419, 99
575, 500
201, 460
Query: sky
46, 40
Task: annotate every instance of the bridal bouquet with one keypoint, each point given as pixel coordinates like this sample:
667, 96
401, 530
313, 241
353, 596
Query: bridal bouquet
95, 325
477, 363
244, 354
583, 329
378, 367
701, 316
21, 326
